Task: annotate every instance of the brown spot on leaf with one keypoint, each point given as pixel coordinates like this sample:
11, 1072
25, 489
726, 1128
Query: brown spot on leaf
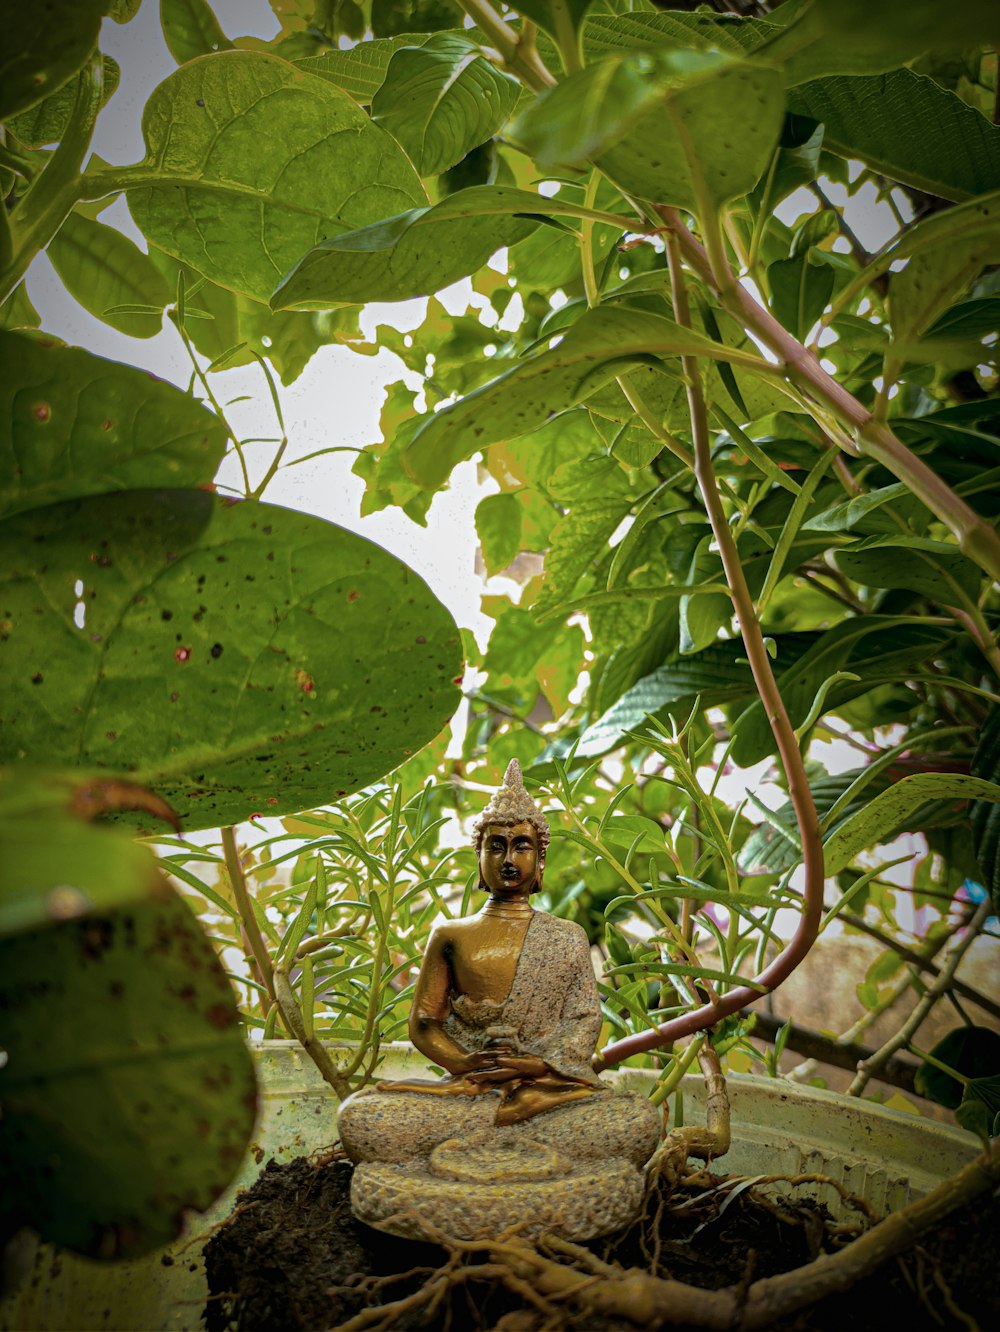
42, 412
182, 654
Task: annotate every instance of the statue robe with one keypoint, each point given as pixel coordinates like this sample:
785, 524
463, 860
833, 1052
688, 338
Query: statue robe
553, 1003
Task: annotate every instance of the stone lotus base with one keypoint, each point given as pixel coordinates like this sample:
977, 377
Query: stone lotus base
466, 1190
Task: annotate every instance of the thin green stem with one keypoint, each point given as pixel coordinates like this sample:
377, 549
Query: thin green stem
516, 50
868, 1068
238, 882
590, 285
283, 443
297, 1025
207, 389
668, 1084
566, 35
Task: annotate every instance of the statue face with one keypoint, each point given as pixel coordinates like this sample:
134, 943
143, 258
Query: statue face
508, 858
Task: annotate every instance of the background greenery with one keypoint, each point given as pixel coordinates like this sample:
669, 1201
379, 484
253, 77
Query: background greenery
728, 417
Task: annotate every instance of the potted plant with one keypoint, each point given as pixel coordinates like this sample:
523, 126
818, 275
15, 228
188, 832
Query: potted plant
742, 487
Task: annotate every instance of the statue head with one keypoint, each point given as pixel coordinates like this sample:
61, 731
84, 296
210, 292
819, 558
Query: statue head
512, 808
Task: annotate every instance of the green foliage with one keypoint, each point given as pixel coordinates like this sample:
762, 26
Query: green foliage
40, 56
193, 600
971, 1072
131, 1039
441, 100
167, 1079
624, 371
250, 162
75, 425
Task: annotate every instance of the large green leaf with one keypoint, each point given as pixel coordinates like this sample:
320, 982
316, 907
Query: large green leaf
984, 814
442, 99
417, 252
44, 46
907, 127
682, 128
578, 539
191, 29
56, 866
360, 70
717, 675
103, 269
128, 1093
237, 657
889, 809
876, 649
896, 121
250, 162
774, 847
935, 569
601, 344
72, 424
856, 37
46, 122
609, 34
932, 280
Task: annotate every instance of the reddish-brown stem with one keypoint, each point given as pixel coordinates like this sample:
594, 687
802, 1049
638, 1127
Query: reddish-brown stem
774, 707
865, 435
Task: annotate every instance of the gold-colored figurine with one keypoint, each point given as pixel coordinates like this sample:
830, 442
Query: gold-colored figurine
521, 1129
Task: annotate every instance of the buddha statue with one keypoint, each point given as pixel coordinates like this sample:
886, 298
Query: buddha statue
519, 1129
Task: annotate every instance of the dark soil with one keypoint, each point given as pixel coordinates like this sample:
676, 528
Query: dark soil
292, 1257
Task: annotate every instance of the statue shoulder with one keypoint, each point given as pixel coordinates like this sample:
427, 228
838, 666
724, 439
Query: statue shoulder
446, 932
569, 931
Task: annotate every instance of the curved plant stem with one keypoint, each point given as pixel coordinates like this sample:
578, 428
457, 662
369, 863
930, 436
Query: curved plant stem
785, 739
864, 434
868, 1068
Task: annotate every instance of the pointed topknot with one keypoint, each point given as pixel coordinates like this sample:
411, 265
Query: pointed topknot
512, 804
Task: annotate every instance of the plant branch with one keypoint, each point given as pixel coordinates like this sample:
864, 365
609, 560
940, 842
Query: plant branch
650, 1301
314, 1048
778, 719
238, 882
868, 1068
516, 50
922, 963
861, 433
814, 1045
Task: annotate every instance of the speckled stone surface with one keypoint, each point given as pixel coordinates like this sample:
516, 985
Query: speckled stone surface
589, 1198
395, 1127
